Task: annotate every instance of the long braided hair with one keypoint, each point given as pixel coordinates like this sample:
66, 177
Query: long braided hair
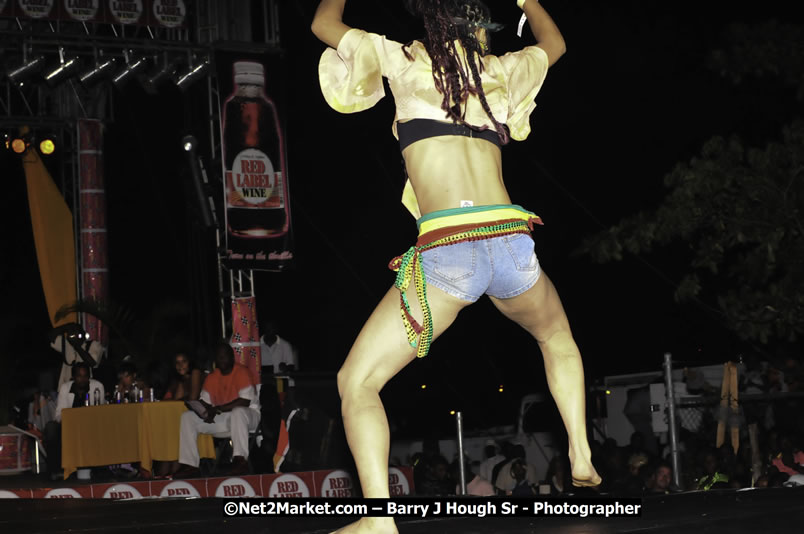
448, 21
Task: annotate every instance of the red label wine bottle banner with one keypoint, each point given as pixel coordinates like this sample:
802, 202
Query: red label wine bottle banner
256, 195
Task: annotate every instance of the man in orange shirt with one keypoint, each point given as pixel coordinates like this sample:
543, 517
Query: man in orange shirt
232, 406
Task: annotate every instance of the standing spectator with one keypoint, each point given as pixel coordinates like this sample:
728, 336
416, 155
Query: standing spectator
75, 347
493, 457
276, 352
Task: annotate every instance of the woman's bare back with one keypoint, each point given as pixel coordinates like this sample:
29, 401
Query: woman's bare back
448, 170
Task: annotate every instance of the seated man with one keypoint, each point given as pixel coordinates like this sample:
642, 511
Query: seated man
232, 406
72, 394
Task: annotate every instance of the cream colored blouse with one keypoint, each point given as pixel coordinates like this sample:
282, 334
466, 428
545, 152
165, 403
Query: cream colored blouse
351, 81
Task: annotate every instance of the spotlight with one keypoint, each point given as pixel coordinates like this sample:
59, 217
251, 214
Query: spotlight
98, 73
47, 146
18, 145
19, 75
131, 70
165, 74
66, 69
189, 143
193, 75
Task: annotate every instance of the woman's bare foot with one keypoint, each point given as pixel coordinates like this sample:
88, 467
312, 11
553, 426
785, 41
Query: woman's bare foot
370, 525
584, 474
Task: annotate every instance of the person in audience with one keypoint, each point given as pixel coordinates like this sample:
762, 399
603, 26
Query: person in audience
186, 380
788, 459
556, 478
436, 477
519, 472
185, 384
277, 354
493, 457
660, 479
475, 484
713, 477
79, 391
130, 386
231, 403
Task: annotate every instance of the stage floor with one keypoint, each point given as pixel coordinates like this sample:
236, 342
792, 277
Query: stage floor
775, 510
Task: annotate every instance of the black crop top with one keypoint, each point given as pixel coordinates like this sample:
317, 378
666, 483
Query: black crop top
417, 129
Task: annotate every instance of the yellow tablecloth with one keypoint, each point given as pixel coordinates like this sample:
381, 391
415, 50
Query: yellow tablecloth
124, 433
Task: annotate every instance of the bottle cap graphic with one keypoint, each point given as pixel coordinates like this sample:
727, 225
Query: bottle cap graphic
249, 73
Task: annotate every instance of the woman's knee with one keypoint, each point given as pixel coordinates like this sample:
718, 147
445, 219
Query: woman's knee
347, 381
350, 382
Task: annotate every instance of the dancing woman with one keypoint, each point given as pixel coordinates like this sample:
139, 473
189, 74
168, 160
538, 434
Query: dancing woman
455, 106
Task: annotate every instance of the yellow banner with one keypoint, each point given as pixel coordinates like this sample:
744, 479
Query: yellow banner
52, 224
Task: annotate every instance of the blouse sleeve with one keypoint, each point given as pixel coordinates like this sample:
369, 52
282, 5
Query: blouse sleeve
525, 72
351, 77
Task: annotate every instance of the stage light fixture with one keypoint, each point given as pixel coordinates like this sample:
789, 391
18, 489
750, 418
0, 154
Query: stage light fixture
163, 75
193, 75
65, 70
28, 69
47, 146
98, 73
18, 145
189, 143
131, 70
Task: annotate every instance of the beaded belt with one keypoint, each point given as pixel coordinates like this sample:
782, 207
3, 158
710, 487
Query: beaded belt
436, 230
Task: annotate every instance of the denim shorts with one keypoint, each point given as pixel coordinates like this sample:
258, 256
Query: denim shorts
502, 267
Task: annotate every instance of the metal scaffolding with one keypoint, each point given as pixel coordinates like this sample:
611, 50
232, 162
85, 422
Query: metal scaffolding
210, 25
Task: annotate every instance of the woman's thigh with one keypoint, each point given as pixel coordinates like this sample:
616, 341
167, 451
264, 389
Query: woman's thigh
382, 348
538, 310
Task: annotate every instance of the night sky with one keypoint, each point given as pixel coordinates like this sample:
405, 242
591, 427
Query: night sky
632, 97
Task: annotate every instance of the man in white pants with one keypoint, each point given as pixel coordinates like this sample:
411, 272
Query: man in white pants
232, 406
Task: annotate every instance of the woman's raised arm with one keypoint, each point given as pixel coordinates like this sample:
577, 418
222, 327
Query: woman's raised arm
328, 23
548, 36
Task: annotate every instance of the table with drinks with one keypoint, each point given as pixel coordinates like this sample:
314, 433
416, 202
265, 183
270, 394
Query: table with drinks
110, 434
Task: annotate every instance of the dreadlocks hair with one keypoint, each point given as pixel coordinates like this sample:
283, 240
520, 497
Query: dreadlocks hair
448, 21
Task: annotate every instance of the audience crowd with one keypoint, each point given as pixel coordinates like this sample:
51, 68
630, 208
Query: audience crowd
226, 395
772, 457
770, 451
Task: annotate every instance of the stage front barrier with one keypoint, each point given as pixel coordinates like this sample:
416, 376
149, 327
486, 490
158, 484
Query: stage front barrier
123, 433
330, 483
